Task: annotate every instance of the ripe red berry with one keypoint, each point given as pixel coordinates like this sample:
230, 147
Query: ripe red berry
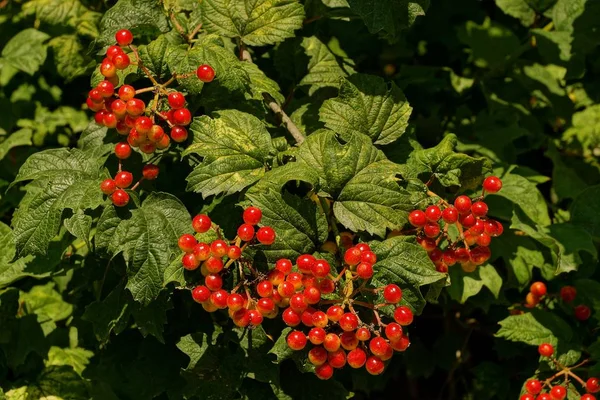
317, 356
179, 134
163, 143
235, 301
205, 73
256, 317
356, 358
544, 396
393, 332
352, 256
492, 184
176, 100
327, 286
368, 256
122, 150
324, 371
182, 116
378, 346
332, 342
266, 235
538, 289
546, 349
592, 385
334, 313
558, 392
108, 69
190, 262
568, 293
462, 204
450, 215
348, 322
143, 125
403, 315
402, 344
479, 209
213, 281
320, 268
252, 215
587, 396
291, 317
533, 386
417, 218
201, 251
374, 365
431, 229
124, 179
433, 213
113, 51
284, 265
120, 198
527, 396
219, 298
218, 248
200, 294
135, 107
110, 120
121, 61
392, 293
108, 186
296, 340
124, 37
213, 265
265, 305
245, 232
582, 312
187, 242
201, 223
480, 254
312, 295
337, 359
150, 171
363, 334
364, 270
317, 335
348, 340
126, 92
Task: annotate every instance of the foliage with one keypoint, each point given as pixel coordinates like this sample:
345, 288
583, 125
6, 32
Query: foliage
337, 118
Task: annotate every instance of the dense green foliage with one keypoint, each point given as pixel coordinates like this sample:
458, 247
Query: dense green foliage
390, 95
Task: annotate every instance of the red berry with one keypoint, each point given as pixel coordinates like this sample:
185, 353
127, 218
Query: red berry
433, 213
364, 270
266, 235
356, 358
276, 277
593, 385
312, 295
252, 215
327, 286
218, 248
284, 265
352, 256
368, 256
332, 342
256, 317
533, 386
374, 365
467, 220
363, 334
568, 293
392, 293
200, 294
427, 243
462, 204
265, 305
527, 396
334, 313
582, 312
483, 239
291, 317
150, 171
235, 301
479, 209
122, 150
245, 232
319, 319
393, 332
108, 69
219, 298
124, 37
113, 51
176, 100
201, 223
317, 356
187, 242
163, 143
135, 107
492, 184
320, 268
431, 229
108, 186
156, 134
324, 371
182, 116
587, 396
546, 349
403, 315
544, 396
450, 215
213, 281
95, 95
417, 218
126, 92
143, 125
337, 359
121, 61
349, 341
296, 340
558, 392
402, 344
348, 322
480, 254
214, 265
179, 134
190, 262
120, 198
205, 73
110, 120
538, 289
124, 179
95, 106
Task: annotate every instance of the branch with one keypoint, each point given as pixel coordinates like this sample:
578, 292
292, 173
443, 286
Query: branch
290, 126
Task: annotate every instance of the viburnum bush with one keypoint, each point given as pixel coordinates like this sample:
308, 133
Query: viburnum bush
283, 199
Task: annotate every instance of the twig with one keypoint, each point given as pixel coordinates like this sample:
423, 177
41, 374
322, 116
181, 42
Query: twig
290, 126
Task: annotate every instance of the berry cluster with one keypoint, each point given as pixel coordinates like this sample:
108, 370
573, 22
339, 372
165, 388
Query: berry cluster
144, 127
337, 333
546, 389
115, 188
473, 228
538, 293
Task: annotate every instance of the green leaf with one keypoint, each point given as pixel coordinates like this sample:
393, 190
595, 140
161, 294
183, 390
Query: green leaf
448, 167
388, 17
521, 255
57, 12
534, 328
63, 179
365, 104
148, 240
195, 345
402, 261
10, 270
54, 382
235, 147
209, 49
110, 314
80, 226
300, 225
47, 304
524, 10
280, 349
139, 16
585, 132
151, 318
585, 211
255, 22
566, 181
587, 293
77, 358
491, 43
465, 285
22, 137
26, 50
334, 162
261, 83
69, 55
373, 200
325, 69
154, 56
